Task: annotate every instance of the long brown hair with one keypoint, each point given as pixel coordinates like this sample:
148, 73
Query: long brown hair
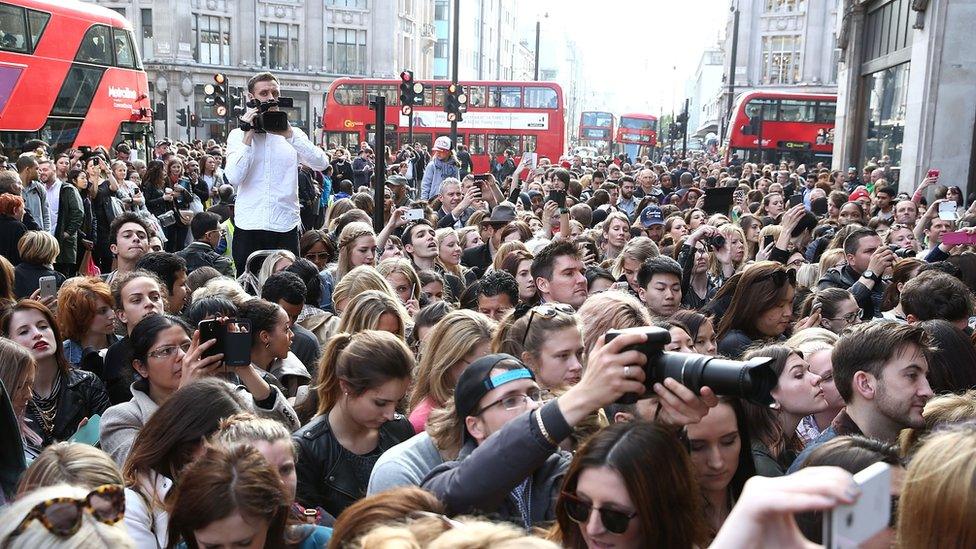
755, 292
32, 305
221, 482
660, 480
903, 269
762, 420
363, 361
391, 506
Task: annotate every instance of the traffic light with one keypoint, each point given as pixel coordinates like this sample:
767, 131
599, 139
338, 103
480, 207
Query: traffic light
411, 92
237, 101
181, 116
216, 95
455, 103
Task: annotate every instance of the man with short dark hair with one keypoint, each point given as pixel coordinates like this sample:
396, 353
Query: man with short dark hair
558, 273
933, 295
207, 234
67, 215
660, 286
286, 289
906, 213
884, 198
626, 202
171, 269
880, 371
480, 257
497, 293
34, 195
128, 238
867, 260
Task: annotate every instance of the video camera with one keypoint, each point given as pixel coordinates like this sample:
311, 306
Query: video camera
752, 380
267, 120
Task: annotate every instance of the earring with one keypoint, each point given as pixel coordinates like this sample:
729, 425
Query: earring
775, 406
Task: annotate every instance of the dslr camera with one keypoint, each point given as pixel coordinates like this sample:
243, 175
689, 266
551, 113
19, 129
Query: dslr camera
752, 380
901, 253
267, 120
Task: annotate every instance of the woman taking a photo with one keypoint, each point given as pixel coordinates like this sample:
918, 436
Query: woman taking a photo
797, 394
405, 282
62, 397
460, 338
361, 379
630, 485
87, 320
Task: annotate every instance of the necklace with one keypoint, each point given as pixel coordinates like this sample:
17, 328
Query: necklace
46, 408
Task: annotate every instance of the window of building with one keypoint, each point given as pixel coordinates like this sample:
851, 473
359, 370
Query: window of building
211, 39
884, 126
279, 46
781, 59
540, 98
349, 4
785, 5
509, 97
440, 49
146, 22
442, 10
349, 94
345, 50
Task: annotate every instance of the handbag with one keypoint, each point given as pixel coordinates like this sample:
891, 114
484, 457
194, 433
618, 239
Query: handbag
88, 266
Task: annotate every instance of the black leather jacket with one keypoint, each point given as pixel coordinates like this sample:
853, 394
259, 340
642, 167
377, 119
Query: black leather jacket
200, 254
324, 479
845, 278
82, 395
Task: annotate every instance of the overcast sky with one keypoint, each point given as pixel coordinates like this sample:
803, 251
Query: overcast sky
629, 48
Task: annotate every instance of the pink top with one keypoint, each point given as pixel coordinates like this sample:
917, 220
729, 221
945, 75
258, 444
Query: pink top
418, 417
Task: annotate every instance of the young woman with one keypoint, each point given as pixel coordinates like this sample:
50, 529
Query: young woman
630, 259
449, 251
719, 446
549, 339
404, 280
62, 397
74, 463
616, 233
86, 316
167, 443
469, 237
275, 262
180, 197
815, 345
903, 271
374, 310
772, 205
235, 498
950, 367
751, 225
457, 340
87, 233
850, 213
271, 354
694, 218
357, 281
701, 329
681, 340
357, 246
676, 228
729, 258
797, 394
518, 263
17, 374
838, 309
361, 378
7, 297
630, 485
901, 236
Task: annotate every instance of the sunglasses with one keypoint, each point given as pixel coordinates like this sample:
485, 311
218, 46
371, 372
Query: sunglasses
616, 522
546, 311
62, 516
780, 277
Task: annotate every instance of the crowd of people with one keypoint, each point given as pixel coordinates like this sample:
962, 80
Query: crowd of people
215, 349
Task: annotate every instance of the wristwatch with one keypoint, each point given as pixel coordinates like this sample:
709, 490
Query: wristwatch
869, 274
245, 126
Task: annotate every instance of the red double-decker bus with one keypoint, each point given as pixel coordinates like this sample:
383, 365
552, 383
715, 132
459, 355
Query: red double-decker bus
791, 126
636, 134
521, 116
70, 75
596, 130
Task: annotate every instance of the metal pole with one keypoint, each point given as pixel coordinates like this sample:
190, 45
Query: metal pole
189, 123
684, 131
410, 127
735, 48
538, 27
455, 56
378, 104
759, 138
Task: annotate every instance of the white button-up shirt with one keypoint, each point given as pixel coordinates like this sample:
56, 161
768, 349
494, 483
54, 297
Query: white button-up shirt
265, 174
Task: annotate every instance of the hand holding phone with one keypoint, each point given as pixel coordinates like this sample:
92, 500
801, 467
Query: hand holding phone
414, 214
848, 526
947, 210
48, 286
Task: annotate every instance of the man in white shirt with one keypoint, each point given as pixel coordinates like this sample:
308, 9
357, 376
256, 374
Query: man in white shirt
264, 169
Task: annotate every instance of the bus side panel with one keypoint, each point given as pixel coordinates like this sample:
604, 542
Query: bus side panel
34, 95
120, 95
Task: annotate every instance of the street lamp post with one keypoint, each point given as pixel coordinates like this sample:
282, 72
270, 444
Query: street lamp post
734, 50
538, 28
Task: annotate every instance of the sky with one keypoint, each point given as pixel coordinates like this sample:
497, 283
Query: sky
635, 55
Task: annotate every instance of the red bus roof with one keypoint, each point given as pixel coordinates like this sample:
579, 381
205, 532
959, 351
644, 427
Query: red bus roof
353, 79
784, 94
75, 8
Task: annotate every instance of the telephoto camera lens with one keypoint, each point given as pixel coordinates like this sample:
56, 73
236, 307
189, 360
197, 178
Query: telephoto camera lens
752, 380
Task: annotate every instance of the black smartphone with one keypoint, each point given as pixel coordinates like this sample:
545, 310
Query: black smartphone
796, 199
819, 207
480, 177
237, 342
210, 329
559, 197
767, 240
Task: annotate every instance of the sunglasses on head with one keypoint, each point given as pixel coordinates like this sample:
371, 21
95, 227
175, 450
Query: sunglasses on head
780, 277
616, 522
62, 516
548, 310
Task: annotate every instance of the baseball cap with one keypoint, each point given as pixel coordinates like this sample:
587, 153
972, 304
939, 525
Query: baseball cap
651, 216
476, 381
442, 143
858, 193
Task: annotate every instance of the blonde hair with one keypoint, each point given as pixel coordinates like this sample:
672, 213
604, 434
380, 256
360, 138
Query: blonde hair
359, 280
15, 363
830, 258
245, 428
511, 337
607, 311
365, 309
347, 238
268, 265
812, 340
503, 252
940, 410
728, 231
462, 233
71, 463
446, 429
440, 235
223, 286
436, 533
402, 266
937, 508
638, 249
38, 248
449, 341
807, 276
91, 532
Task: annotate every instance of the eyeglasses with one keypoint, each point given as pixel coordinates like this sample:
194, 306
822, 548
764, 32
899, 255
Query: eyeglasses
517, 402
222, 232
851, 318
167, 351
317, 256
62, 516
616, 522
546, 311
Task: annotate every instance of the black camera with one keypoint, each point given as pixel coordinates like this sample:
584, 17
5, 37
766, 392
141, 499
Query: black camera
901, 253
267, 120
716, 242
752, 380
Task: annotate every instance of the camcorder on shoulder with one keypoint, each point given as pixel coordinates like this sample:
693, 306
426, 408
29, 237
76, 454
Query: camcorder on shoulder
752, 380
267, 120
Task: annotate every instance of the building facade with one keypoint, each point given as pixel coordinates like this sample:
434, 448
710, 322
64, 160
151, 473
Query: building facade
780, 44
489, 48
906, 86
307, 44
704, 91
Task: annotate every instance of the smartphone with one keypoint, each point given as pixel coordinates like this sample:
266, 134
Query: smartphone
559, 197
767, 240
236, 335
48, 286
796, 200
89, 433
210, 329
932, 173
958, 237
414, 214
848, 526
481, 177
623, 286
947, 211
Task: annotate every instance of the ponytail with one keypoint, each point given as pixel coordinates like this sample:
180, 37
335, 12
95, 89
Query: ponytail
328, 388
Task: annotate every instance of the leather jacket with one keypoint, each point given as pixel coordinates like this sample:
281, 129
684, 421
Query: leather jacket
82, 395
325, 479
846, 278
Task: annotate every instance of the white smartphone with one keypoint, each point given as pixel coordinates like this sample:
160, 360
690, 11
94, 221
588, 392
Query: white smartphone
414, 214
48, 286
848, 526
947, 210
